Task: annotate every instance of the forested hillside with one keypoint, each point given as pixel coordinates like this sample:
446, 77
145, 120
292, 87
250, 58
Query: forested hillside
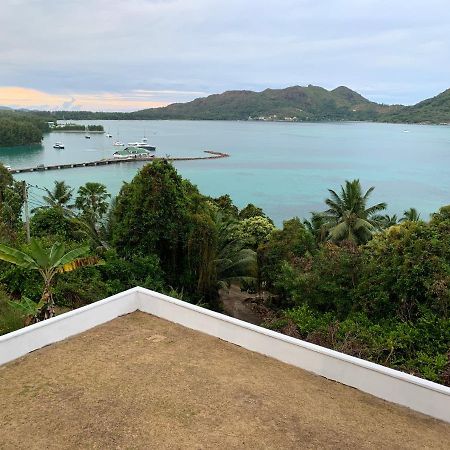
311, 103
21, 128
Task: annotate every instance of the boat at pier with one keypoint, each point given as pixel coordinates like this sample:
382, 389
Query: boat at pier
133, 153
143, 145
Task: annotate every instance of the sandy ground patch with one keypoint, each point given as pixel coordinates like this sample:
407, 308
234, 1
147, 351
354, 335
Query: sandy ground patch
140, 382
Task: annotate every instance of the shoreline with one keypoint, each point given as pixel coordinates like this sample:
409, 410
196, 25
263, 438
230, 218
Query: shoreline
55, 130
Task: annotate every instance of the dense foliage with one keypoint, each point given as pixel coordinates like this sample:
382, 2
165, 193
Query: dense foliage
77, 127
432, 110
21, 128
387, 301
371, 285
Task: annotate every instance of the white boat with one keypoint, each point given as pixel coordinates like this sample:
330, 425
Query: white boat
58, 145
143, 145
87, 136
108, 135
132, 153
119, 144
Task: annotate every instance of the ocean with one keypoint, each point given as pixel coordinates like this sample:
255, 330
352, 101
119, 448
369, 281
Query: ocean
285, 168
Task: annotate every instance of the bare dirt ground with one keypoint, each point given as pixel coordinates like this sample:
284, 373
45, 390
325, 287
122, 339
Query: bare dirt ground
237, 304
140, 382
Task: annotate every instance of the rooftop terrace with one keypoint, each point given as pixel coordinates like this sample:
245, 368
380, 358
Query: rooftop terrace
139, 381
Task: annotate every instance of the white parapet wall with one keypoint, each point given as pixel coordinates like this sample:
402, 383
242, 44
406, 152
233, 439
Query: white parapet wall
420, 395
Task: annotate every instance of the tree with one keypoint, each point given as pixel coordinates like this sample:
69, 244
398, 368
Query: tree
289, 244
92, 200
406, 270
254, 230
317, 227
151, 216
251, 211
11, 202
387, 221
348, 217
59, 197
411, 215
233, 260
48, 263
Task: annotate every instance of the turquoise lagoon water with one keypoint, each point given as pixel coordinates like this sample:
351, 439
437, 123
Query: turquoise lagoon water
285, 168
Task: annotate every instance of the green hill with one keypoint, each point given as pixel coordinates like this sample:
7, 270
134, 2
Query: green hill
296, 103
432, 110
311, 103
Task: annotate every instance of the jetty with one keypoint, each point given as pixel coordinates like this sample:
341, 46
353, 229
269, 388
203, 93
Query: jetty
105, 162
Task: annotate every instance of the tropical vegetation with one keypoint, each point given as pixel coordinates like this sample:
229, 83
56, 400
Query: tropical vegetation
295, 103
21, 128
350, 277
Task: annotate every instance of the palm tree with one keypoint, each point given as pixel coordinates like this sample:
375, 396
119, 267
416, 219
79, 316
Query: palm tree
92, 200
59, 197
224, 258
49, 263
387, 221
410, 215
233, 261
348, 217
317, 226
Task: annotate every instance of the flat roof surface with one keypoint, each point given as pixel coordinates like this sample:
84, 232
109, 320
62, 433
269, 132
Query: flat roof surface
140, 382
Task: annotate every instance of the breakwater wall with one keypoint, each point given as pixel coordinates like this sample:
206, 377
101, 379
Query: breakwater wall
105, 162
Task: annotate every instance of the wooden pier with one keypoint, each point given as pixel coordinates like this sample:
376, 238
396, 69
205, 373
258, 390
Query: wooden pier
106, 162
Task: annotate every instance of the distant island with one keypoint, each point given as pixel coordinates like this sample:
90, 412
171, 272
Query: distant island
292, 104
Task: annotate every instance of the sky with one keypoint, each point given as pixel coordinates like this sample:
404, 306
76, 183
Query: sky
123, 55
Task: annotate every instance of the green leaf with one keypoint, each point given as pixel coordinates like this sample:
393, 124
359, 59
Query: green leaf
17, 257
39, 254
70, 256
56, 253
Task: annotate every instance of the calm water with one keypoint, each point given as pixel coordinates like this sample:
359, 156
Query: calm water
285, 168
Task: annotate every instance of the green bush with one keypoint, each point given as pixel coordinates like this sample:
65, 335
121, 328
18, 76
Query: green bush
10, 318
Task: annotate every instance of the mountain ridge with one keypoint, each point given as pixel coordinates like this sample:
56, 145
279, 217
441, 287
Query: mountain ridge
294, 103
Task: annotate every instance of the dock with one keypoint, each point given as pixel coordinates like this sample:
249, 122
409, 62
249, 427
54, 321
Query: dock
105, 162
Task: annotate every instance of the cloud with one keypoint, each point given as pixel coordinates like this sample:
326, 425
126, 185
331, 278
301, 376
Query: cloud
181, 48
19, 97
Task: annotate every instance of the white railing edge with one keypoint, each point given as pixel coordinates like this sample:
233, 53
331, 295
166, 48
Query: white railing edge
33, 337
61, 317
308, 345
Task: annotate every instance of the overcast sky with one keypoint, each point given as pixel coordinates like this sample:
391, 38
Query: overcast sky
129, 54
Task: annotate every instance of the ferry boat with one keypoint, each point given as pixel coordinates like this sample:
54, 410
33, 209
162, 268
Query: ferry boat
133, 153
58, 145
143, 145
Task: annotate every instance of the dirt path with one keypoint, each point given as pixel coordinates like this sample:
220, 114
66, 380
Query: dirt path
238, 304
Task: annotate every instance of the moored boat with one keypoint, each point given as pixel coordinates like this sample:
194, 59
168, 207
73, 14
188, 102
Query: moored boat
133, 153
143, 145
